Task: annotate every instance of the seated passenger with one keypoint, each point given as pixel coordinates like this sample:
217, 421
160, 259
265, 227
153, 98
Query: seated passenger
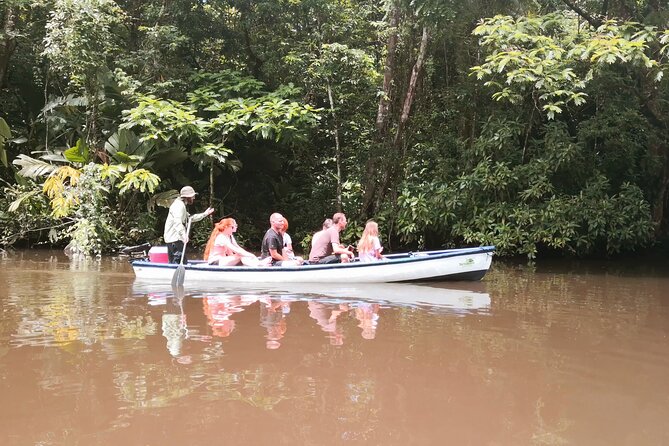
325, 247
222, 248
369, 246
272, 243
288, 243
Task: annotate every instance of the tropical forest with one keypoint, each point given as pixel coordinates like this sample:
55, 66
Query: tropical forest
537, 126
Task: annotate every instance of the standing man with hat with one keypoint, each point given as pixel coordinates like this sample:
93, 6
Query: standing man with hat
175, 234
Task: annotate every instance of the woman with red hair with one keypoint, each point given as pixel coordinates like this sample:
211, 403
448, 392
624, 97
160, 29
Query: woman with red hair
222, 248
288, 243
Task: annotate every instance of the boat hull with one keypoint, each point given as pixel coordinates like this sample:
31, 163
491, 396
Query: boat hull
454, 264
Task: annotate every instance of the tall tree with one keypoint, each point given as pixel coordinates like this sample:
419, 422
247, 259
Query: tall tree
8, 22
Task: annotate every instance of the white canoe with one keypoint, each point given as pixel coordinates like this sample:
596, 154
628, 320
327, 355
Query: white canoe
451, 264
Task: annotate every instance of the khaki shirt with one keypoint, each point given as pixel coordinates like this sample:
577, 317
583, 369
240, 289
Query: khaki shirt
321, 243
175, 225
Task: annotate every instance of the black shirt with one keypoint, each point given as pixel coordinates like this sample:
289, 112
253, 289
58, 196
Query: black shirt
271, 240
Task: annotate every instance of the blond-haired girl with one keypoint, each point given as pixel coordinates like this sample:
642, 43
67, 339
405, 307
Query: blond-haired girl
369, 246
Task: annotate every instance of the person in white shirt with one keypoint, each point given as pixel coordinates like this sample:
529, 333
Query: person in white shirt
288, 243
369, 246
175, 225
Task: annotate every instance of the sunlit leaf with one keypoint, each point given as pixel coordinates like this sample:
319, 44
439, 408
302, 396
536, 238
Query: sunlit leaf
33, 168
79, 153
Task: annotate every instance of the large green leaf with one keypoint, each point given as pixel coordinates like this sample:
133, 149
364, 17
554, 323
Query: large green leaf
5, 134
124, 158
127, 141
3, 154
141, 180
79, 153
116, 142
168, 158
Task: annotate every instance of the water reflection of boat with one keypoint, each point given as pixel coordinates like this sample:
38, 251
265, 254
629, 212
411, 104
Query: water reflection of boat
403, 294
220, 307
400, 294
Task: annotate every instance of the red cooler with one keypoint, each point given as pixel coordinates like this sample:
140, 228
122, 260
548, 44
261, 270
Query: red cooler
158, 254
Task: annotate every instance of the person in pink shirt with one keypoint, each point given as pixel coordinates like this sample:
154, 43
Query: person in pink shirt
222, 248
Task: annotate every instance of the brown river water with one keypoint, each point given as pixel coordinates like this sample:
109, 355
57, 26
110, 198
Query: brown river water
557, 354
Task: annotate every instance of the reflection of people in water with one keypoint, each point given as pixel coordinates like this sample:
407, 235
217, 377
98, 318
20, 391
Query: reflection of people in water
174, 327
218, 310
273, 317
368, 315
326, 316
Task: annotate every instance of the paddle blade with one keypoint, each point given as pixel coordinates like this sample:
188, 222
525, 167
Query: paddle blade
179, 276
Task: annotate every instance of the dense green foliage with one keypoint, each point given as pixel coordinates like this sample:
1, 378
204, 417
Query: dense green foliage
539, 127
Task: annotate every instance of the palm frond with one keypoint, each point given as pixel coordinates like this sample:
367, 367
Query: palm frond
163, 199
20, 199
70, 100
33, 168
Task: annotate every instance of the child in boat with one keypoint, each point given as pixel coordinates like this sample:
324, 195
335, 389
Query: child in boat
222, 248
369, 246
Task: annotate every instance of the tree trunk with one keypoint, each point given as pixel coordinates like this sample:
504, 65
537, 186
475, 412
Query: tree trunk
8, 44
388, 72
411, 89
661, 203
337, 147
396, 161
382, 114
656, 116
211, 183
134, 22
605, 8
595, 22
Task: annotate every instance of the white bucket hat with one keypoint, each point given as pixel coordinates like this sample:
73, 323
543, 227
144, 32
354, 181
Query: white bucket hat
187, 192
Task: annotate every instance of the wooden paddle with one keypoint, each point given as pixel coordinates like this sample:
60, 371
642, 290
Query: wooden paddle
180, 273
